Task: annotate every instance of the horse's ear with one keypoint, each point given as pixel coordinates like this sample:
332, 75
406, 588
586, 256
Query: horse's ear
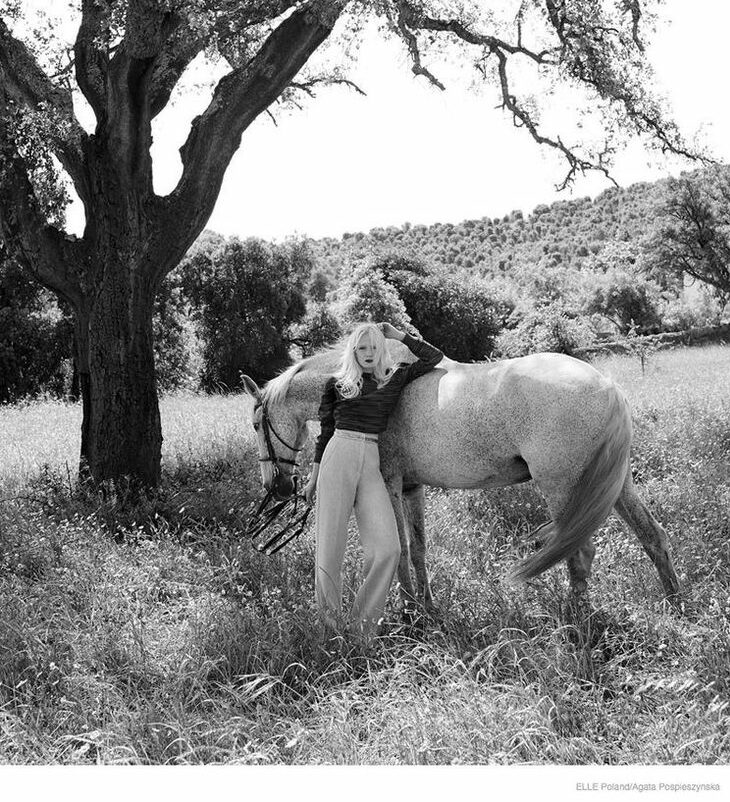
250, 386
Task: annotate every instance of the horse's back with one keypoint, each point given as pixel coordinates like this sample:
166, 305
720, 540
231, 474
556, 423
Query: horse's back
488, 424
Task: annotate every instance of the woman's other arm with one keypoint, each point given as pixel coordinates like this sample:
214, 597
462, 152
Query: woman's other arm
428, 355
327, 429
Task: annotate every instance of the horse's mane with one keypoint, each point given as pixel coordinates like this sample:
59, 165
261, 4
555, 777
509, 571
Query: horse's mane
277, 388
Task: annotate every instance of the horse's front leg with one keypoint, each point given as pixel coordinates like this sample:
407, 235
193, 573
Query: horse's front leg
414, 501
407, 589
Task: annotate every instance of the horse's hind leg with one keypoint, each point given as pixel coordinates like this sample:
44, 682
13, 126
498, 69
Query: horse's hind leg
578, 606
414, 503
653, 538
558, 491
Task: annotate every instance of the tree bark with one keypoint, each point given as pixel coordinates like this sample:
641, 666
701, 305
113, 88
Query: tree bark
82, 382
121, 434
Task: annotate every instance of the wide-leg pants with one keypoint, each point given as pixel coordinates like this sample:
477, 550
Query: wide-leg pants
350, 478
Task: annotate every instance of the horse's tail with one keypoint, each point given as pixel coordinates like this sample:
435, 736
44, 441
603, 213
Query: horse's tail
594, 495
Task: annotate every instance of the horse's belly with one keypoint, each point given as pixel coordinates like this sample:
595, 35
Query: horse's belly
465, 474
445, 456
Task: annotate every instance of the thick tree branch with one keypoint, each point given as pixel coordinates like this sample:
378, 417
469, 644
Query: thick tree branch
52, 256
26, 84
240, 97
127, 120
414, 51
184, 43
148, 25
180, 50
91, 58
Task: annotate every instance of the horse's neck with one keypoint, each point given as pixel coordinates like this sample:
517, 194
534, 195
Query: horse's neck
305, 392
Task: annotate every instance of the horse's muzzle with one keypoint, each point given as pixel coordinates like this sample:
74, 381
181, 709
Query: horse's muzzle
283, 487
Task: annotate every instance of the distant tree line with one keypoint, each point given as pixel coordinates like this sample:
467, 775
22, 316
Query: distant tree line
235, 306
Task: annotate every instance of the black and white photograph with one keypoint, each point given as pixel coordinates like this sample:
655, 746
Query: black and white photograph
364, 399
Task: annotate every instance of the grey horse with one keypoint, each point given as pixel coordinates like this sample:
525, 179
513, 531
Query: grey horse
546, 417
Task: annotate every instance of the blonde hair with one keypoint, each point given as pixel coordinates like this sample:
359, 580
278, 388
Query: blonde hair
349, 374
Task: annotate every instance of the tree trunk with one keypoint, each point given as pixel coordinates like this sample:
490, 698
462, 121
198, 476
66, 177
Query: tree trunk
82, 382
121, 435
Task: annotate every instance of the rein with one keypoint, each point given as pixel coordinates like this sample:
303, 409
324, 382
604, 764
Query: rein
267, 513
298, 513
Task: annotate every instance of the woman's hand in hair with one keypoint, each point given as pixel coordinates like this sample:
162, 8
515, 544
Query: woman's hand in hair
390, 332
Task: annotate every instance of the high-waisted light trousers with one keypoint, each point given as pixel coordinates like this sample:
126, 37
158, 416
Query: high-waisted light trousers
350, 478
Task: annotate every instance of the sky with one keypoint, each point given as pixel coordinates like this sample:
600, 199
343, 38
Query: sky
410, 152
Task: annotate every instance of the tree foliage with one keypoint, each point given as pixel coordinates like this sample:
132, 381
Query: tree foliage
549, 328
365, 295
573, 234
624, 298
463, 319
693, 236
176, 351
244, 297
35, 337
318, 328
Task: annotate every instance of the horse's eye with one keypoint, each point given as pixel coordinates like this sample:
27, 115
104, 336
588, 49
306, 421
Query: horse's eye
256, 427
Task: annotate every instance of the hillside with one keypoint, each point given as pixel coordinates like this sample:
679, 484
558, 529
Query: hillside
566, 232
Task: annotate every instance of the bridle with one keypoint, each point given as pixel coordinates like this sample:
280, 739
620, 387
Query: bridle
268, 431
264, 515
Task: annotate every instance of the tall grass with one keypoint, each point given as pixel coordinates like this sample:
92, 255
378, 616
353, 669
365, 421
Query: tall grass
156, 634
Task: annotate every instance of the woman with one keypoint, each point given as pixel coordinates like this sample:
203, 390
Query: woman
355, 407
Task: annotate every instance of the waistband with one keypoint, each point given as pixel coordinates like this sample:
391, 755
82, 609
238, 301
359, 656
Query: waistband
369, 436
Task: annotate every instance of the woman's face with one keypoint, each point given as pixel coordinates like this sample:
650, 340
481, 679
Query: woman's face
366, 352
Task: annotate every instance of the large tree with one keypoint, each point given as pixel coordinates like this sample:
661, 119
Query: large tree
128, 57
693, 230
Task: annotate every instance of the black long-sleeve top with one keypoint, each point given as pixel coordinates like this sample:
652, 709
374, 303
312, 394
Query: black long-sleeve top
369, 411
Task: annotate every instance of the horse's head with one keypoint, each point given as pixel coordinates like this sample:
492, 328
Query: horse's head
281, 436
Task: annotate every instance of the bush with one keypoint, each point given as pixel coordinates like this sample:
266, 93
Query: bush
318, 328
244, 297
177, 357
549, 328
365, 295
463, 320
319, 285
35, 337
680, 314
623, 298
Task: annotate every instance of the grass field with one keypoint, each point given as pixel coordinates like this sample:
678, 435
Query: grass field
156, 635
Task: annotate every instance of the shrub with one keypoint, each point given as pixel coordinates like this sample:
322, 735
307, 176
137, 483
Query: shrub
244, 297
318, 328
548, 328
366, 295
623, 298
319, 285
177, 351
35, 337
680, 314
461, 319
